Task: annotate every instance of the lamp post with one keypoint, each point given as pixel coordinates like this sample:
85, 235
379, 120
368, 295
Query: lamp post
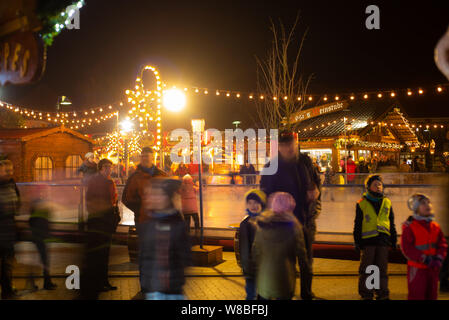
127, 127
62, 100
198, 129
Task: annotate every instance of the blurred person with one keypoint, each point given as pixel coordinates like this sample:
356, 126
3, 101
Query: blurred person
297, 176
374, 233
101, 198
278, 242
188, 193
132, 196
164, 247
363, 166
133, 191
351, 168
416, 165
405, 167
182, 170
9, 206
424, 246
88, 168
256, 201
40, 212
315, 164
248, 168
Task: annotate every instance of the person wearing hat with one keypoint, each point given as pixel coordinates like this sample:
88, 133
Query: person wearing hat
297, 176
255, 203
189, 203
424, 246
164, 246
374, 233
278, 243
88, 168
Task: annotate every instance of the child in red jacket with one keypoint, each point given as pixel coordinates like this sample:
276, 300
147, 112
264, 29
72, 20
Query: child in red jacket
424, 245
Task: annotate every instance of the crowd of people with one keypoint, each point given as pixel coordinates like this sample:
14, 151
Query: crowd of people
276, 233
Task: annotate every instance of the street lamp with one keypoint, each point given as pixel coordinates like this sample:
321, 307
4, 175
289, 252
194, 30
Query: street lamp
236, 123
174, 100
62, 100
198, 129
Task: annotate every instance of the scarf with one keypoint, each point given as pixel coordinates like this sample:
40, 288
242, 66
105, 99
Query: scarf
421, 218
251, 214
374, 196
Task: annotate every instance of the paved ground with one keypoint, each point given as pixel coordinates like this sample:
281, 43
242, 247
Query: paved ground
334, 279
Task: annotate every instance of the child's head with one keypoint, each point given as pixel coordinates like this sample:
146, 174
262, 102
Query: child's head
281, 202
374, 184
159, 196
187, 179
420, 204
255, 201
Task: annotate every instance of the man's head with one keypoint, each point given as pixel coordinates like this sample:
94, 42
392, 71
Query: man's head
105, 167
160, 194
288, 146
90, 157
146, 157
9, 167
374, 184
420, 204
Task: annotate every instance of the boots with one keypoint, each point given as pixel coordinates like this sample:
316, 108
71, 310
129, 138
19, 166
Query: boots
48, 285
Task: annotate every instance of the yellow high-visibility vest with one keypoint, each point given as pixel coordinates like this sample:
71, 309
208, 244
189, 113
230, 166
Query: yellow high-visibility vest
374, 223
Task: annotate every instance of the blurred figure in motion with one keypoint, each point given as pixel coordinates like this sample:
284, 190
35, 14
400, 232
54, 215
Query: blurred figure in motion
9, 206
278, 242
256, 201
164, 248
182, 170
424, 246
88, 168
374, 232
189, 202
40, 213
248, 168
101, 200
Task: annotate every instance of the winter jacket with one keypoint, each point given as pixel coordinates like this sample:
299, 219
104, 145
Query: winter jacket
278, 242
352, 168
101, 197
9, 206
164, 252
39, 219
247, 232
296, 178
88, 169
188, 196
248, 170
135, 188
408, 242
382, 239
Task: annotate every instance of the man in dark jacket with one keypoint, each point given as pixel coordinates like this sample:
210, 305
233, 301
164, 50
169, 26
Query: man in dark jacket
248, 168
297, 176
101, 198
372, 238
9, 205
138, 181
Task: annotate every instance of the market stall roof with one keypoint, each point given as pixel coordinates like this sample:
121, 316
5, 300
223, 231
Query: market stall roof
358, 114
33, 133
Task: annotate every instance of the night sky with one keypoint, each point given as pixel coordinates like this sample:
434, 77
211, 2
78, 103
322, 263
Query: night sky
213, 44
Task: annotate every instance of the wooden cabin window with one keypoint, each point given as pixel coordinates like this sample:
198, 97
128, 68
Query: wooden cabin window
43, 169
72, 163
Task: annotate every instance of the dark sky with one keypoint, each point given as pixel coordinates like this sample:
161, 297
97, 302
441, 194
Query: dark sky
213, 44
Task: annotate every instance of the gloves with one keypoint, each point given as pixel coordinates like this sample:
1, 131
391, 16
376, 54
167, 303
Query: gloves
435, 262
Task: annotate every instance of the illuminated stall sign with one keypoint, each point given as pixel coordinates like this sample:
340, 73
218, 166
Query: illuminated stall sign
22, 58
318, 111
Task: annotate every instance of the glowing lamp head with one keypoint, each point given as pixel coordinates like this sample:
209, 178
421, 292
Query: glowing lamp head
174, 100
127, 125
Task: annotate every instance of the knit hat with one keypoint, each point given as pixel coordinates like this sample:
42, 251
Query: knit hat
257, 195
287, 136
415, 200
89, 155
281, 202
371, 179
187, 177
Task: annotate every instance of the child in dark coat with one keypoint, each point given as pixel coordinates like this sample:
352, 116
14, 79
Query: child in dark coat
163, 243
255, 204
424, 245
278, 243
374, 233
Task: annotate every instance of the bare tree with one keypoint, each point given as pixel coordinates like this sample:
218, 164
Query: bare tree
280, 81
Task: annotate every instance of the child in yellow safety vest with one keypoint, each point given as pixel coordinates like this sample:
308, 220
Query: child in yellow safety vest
424, 246
374, 233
